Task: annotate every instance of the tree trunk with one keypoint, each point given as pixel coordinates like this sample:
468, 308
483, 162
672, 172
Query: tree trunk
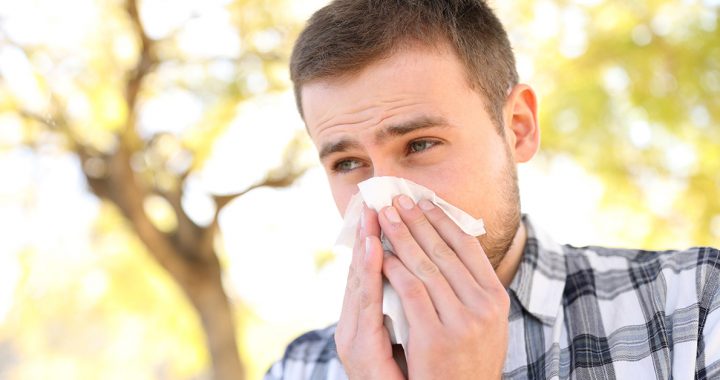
206, 293
188, 257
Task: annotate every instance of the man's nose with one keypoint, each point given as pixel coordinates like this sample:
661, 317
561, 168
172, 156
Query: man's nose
386, 170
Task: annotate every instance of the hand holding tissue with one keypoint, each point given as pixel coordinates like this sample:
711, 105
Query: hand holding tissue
377, 193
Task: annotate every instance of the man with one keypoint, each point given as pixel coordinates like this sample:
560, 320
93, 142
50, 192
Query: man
427, 90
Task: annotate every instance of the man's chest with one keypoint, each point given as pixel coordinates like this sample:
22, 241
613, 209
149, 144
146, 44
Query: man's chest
592, 340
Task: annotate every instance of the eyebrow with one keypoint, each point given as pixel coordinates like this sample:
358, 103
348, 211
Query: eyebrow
345, 144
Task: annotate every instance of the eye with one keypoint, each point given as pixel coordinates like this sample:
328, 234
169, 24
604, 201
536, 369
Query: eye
346, 165
421, 145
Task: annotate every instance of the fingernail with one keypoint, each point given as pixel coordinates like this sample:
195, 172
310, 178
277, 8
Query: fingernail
426, 205
368, 246
362, 220
405, 202
392, 214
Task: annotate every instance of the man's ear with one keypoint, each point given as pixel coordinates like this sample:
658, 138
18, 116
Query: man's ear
521, 126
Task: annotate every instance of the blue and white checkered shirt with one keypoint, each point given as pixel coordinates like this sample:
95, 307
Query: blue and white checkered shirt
586, 313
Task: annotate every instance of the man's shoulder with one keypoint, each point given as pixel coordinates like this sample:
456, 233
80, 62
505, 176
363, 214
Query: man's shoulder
604, 258
674, 278
311, 355
313, 346
643, 311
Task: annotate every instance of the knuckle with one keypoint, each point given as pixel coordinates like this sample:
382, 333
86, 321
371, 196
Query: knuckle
351, 269
413, 289
427, 268
419, 221
364, 298
402, 233
397, 231
473, 325
488, 313
495, 308
353, 281
466, 321
498, 297
390, 262
434, 214
441, 250
502, 300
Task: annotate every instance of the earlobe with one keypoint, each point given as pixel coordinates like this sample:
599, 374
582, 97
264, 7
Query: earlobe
521, 123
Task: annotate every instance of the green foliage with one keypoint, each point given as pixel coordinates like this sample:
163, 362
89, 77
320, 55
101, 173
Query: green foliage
633, 95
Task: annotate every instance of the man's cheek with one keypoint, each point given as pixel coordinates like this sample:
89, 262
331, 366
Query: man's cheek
342, 196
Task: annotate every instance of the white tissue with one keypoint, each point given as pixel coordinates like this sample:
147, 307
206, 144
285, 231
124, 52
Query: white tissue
378, 192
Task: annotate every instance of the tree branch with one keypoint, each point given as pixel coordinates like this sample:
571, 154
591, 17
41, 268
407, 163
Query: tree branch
129, 196
188, 233
57, 124
282, 176
120, 186
222, 200
145, 65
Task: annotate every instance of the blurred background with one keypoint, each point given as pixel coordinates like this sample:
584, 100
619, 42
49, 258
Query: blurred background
163, 215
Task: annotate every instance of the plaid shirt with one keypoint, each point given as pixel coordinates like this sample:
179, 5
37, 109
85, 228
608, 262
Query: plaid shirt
586, 313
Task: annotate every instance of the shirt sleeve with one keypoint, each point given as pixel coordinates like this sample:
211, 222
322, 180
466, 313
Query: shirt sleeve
275, 372
311, 356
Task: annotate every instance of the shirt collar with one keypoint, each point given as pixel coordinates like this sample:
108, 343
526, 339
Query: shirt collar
540, 279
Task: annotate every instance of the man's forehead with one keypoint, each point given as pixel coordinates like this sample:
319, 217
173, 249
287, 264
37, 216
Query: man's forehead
351, 101
405, 73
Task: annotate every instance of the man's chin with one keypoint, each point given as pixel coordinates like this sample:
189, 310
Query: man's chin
497, 241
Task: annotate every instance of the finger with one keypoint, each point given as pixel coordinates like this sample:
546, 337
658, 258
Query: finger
453, 269
347, 323
364, 285
467, 247
370, 317
415, 299
367, 226
370, 219
419, 264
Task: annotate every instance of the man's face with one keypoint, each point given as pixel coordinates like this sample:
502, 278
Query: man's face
414, 115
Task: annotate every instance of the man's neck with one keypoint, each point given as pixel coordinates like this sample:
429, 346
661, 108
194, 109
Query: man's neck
509, 264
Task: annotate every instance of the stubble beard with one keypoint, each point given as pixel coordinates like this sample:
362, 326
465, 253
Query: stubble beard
500, 233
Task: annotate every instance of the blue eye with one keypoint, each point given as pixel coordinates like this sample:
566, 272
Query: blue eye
420, 145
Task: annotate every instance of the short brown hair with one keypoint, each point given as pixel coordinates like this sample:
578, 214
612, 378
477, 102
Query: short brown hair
347, 35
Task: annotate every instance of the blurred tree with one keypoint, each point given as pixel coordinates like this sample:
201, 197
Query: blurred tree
631, 91
100, 108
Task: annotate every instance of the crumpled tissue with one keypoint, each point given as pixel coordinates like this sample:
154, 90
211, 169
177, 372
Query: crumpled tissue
376, 193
